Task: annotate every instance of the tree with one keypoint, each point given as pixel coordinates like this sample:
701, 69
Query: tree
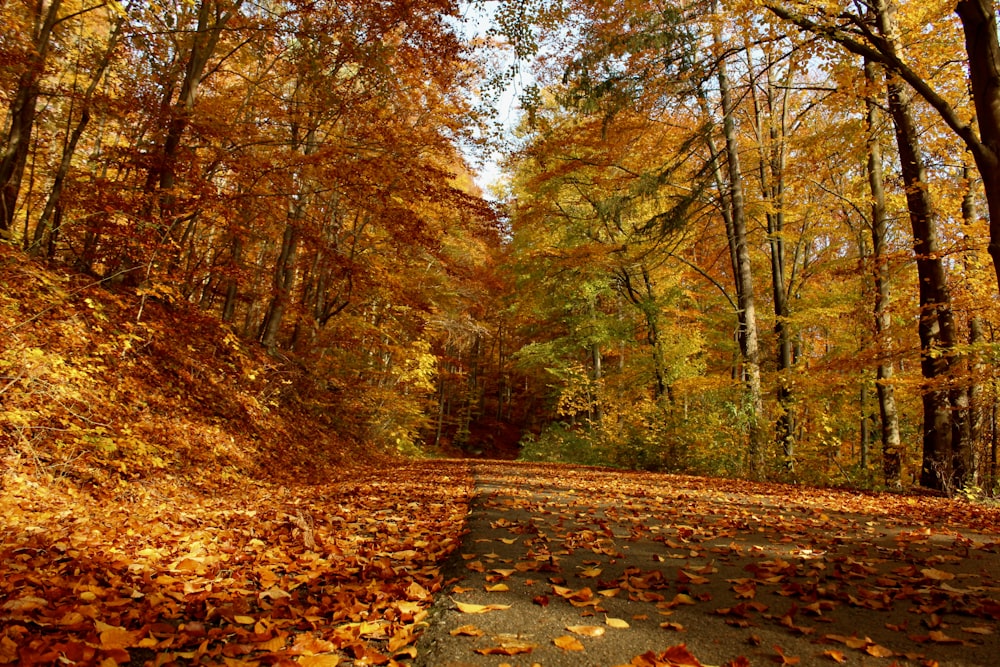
856, 32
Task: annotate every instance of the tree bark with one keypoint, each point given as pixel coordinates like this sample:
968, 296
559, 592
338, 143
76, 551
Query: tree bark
746, 305
771, 172
889, 417
980, 27
941, 469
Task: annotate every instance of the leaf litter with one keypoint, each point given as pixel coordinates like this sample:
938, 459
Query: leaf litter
745, 573
315, 574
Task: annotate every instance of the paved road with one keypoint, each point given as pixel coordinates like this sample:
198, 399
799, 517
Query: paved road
738, 574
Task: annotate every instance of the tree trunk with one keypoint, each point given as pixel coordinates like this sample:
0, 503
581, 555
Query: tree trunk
980, 27
771, 171
162, 176
891, 445
940, 468
43, 228
283, 282
746, 306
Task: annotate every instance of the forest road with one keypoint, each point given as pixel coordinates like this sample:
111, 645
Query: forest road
586, 567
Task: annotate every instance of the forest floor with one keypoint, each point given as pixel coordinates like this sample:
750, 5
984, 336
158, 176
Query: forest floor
554, 565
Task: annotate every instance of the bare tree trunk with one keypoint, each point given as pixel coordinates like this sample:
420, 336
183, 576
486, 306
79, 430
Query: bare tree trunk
941, 469
771, 171
891, 445
746, 305
973, 424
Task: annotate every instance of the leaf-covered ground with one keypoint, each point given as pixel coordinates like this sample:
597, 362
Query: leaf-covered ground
560, 566
567, 566
310, 574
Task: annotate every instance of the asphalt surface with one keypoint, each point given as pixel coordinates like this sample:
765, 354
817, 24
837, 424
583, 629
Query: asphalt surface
595, 568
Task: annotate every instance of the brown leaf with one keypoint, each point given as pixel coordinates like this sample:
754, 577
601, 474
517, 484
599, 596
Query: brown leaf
836, 656
679, 656
325, 660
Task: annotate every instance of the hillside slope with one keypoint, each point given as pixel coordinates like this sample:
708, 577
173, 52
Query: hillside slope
105, 388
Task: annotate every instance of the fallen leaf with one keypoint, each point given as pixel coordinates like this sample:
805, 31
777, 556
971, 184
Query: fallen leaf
467, 631
879, 651
568, 643
113, 637
468, 608
836, 656
511, 646
586, 630
616, 623
786, 659
325, 660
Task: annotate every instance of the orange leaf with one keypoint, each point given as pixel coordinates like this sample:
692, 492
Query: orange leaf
786, 659
879, 651
568, 643
115, 637
836, 656
467, 631
679, 656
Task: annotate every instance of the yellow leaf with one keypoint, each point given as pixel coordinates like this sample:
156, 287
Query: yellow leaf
586, 630
616, 622
468, 608
417, 592
568, 643
497, 588
245, 620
